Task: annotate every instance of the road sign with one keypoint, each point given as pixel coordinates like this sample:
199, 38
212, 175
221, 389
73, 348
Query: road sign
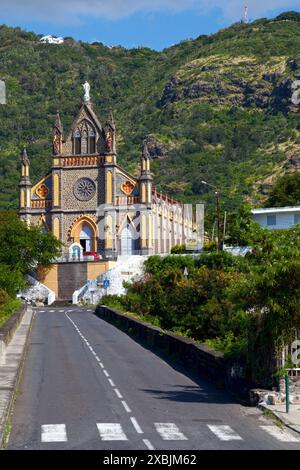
106, 283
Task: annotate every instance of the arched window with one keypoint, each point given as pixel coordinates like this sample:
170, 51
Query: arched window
77, 142
84, 142
92, 141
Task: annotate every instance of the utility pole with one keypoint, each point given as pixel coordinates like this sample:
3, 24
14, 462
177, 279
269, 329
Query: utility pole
219, 241
218, 214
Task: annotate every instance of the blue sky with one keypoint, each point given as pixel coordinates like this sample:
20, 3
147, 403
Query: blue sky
131, 23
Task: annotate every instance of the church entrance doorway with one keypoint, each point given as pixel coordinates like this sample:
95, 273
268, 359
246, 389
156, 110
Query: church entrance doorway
86, 238
127, 240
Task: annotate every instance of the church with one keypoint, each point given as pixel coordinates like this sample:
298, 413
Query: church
90, 203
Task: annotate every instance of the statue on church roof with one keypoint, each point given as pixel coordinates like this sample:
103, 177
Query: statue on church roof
87, 88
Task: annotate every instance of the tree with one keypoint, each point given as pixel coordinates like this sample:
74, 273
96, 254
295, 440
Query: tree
23, 249
286, 191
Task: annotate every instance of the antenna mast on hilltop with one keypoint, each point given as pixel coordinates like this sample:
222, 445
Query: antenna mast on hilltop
246, 15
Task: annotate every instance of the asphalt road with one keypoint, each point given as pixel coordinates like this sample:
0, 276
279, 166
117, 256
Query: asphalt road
87, 385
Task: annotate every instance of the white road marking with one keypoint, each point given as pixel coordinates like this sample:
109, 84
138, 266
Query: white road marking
111, 432
169, 432
119, 395
126, 406
52, 311
41, 311
61, 311
280, 434
148, 444
224, 433
54, 433
136, 425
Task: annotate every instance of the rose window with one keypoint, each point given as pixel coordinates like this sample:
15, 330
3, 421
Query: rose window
84, 189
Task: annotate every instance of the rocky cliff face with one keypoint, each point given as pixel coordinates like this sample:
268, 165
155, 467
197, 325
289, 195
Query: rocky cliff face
239, 81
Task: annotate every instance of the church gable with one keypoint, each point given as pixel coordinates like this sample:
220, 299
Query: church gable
86, 135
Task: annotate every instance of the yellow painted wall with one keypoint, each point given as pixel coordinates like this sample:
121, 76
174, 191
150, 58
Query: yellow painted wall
150, 230
109, 187
56, 231
56, 190
50, 278
94, 269
108, 239
22, 200
28, 198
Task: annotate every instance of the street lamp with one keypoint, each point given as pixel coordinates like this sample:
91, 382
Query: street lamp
218, 197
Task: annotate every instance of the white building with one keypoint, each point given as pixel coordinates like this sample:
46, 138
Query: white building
275, 218
51, 40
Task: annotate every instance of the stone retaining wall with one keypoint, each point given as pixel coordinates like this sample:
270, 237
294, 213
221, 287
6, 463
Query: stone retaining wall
194, 357
197, 357
8, 329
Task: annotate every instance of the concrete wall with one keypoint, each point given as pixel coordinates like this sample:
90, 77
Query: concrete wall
65, 278
196, 358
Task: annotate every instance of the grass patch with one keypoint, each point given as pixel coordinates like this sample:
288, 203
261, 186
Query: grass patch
8, 309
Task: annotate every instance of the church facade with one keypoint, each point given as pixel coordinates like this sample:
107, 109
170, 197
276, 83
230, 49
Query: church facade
90, 203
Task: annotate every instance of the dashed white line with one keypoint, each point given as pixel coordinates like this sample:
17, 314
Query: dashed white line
148, 444
126, 406
136, 425
54, 433
111, 432
224, 433
119, 395
280, 434
169, 432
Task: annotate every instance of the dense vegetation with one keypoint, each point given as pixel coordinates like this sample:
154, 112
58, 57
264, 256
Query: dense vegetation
247, 307
22, 250
286, 192
216, 108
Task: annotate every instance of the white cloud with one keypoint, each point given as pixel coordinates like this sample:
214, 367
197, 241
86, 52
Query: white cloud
70, 10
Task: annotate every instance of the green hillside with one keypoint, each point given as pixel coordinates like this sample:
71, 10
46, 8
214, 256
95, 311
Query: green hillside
216, 108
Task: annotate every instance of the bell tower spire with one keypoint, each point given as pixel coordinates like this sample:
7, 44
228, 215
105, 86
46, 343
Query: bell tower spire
57, 136
145, 178
25, 186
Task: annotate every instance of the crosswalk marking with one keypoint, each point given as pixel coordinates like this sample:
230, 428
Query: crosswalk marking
224, 433
169, 432
54, 433
111, 432
280, 434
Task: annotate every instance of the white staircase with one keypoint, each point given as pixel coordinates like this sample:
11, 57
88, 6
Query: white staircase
129, 268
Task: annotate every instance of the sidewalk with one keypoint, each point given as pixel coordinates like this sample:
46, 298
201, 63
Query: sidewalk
291, 419
10, 371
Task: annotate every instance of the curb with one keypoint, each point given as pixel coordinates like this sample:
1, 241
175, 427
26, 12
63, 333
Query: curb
280, 418
13, 394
